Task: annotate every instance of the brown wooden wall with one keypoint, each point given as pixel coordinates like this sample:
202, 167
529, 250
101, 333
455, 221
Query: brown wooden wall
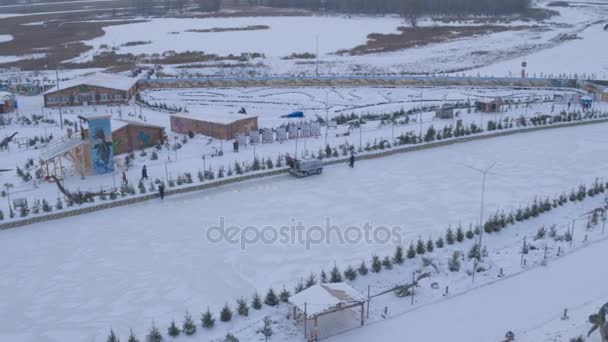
183, 125
127, 138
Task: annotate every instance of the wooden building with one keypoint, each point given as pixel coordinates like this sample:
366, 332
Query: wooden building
8, 103
129, 136
98, 89
133, 136
489, 106
446, 111
224, 127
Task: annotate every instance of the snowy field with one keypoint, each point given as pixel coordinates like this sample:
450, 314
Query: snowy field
558, 60
283, 36
271, 103
524, 304
5, 38
70, 279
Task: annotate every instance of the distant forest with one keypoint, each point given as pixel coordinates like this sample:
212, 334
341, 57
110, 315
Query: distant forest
402, 7
407, 8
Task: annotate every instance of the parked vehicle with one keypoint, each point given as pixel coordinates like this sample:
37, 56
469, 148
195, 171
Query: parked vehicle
304, 167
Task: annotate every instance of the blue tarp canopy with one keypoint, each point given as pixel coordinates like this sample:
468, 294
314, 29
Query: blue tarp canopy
294, 115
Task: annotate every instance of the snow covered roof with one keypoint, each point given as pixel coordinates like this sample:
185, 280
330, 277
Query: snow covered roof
325, 297
120, 123
216, 118
5, 95
99, 79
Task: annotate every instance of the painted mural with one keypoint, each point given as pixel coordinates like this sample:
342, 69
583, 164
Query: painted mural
100, 139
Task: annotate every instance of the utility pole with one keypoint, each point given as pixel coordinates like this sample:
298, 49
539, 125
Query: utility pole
326, 115
317, 55
420, 116
60, 100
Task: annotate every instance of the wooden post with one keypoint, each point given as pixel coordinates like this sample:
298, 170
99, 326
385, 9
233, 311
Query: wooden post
413, 286
362, 313
305, 323
369, 299
572, 235
316, 329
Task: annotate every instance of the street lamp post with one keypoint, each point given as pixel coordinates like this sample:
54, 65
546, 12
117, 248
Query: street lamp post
484, 172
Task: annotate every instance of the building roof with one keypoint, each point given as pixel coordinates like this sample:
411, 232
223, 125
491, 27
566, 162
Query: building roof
322, 298
5, 95
100, 79
120, 123
216, 118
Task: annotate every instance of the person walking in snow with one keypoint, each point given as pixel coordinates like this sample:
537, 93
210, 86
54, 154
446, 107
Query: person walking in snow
144, 173
351, 160
161, 190
125, 182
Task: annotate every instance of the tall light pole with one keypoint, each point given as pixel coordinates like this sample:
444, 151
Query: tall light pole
420, 119
60, 100
317, 55
484, 172
326, 115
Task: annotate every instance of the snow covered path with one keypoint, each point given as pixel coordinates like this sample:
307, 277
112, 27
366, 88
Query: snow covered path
75, 278
523, 304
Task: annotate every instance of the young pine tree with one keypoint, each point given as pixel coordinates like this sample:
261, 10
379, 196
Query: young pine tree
459, 234
173, 330
112, 337
256, 302
132, 337
271, 298
350, 273
420, 248
242, 308
363, 270
411, 251
226, 314
299, 287
439, 242
334, 275
376, 264
188, 326
454, 262
398, 256
207, 319
323, 277
430, 246
284, 295
154, 335
449, 236
386, 262
312, 280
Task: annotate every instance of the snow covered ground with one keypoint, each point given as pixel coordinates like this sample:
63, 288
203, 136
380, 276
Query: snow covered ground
284, 35
5, 38
530, 304
77, 277
270, 103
